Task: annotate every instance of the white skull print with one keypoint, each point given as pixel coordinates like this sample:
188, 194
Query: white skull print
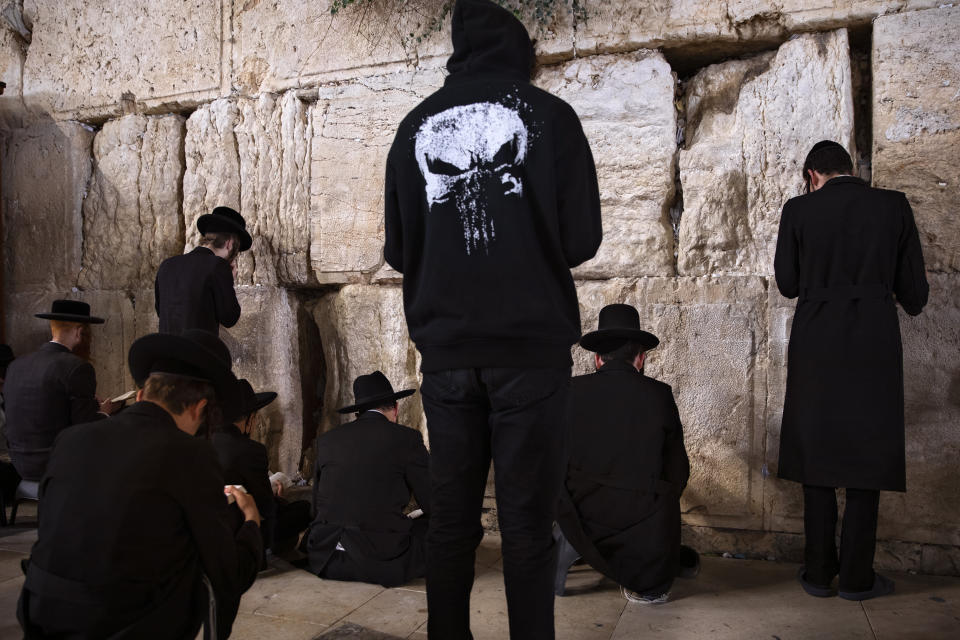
468, 153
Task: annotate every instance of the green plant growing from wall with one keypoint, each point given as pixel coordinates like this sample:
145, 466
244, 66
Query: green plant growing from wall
414, 21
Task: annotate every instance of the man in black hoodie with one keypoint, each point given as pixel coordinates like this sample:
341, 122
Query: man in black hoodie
491, 198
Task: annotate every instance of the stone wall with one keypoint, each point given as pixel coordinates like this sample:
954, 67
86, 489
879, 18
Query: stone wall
119, 129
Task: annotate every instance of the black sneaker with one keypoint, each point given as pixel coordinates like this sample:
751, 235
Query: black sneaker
882, 586
815, 590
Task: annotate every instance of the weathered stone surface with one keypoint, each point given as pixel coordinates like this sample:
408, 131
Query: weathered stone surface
253, 155
354, 126
271, 347
290, 43
86, 55
11, 66
363, 329
750, 123
916, 123
45, 173
131, 215
711, 330
627, 109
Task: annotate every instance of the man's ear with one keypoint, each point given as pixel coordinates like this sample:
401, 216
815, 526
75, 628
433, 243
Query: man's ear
139, 395
597, 360
196, 410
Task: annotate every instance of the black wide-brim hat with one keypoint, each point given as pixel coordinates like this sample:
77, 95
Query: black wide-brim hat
228, 220
372, 391
70, 311
618, 324
247, 402
195, 354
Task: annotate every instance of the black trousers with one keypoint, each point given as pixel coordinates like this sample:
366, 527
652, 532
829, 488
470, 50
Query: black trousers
858, 538
515, 418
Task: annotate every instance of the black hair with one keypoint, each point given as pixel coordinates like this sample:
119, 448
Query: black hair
826, 158
179, 392
627, 352
218, 240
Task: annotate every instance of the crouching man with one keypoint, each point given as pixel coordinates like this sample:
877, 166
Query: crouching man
365, 473
134, 513
620, 508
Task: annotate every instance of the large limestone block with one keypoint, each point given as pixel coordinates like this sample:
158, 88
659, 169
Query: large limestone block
272, 346
252, 154
86, 55
916, 123
291, 43
363, 329
750, 124
12, 53
354, 126
131, 215
712, 352
46, 169
626, 105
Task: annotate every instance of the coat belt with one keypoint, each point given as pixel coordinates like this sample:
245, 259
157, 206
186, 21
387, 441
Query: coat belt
844, 292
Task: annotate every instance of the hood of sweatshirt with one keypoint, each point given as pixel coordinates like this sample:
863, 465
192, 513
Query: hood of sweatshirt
488, 39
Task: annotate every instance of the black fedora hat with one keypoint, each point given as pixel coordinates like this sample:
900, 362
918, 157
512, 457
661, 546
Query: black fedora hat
195, 354
618, 324
225, 219
247, 402
371, 391
70, 311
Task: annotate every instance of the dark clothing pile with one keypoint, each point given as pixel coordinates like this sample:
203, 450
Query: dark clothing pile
365, 473
626, 470
46, 392
849, 252
134, 516
491, 198
195, 291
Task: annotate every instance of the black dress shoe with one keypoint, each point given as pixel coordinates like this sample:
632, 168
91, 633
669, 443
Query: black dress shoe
816, 590
882, 585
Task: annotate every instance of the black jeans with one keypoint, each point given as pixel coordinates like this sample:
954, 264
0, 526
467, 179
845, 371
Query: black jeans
515, 417
858, 538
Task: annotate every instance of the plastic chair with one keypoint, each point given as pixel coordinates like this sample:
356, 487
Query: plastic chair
26, 490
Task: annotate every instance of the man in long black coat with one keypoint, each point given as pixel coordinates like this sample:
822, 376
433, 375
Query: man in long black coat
366, 471
134, 514
52, 388
627, 467
195, 290
849, 252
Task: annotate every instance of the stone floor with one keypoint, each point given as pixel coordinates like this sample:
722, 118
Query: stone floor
730, 599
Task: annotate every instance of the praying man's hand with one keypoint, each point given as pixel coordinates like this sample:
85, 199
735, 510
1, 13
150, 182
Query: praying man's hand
246, 503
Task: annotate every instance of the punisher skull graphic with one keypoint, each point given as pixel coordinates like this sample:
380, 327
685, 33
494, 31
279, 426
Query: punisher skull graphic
468, 154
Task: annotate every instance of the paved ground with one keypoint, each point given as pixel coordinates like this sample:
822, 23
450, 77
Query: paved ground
732, 599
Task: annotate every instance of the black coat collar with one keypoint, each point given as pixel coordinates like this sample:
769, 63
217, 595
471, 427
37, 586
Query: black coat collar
151, 412
370, 414
55, 346
617, 365
844, 180
231, 429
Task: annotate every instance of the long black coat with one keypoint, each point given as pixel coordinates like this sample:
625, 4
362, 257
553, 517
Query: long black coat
844, 249
195, 291
627, 468
46, 392
365, 473
132, 512
244, 461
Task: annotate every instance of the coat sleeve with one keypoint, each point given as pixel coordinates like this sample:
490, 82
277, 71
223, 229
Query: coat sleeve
224, 296
910, 282
676, 465
417, 474
578, 195
82, 387
229, 560
786, 261
393, 225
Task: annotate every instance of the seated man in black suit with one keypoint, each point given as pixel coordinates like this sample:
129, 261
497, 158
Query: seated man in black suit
365, 473
135, 518
244, 462
620, 508
195, 290
52, 388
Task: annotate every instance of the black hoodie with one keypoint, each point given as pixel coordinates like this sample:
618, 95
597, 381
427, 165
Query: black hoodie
491, 198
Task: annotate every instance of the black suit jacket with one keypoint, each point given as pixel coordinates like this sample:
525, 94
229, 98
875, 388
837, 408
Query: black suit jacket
244, 461
626, 469
846, 250
365, 473
133, 512
46, 392
195, 291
